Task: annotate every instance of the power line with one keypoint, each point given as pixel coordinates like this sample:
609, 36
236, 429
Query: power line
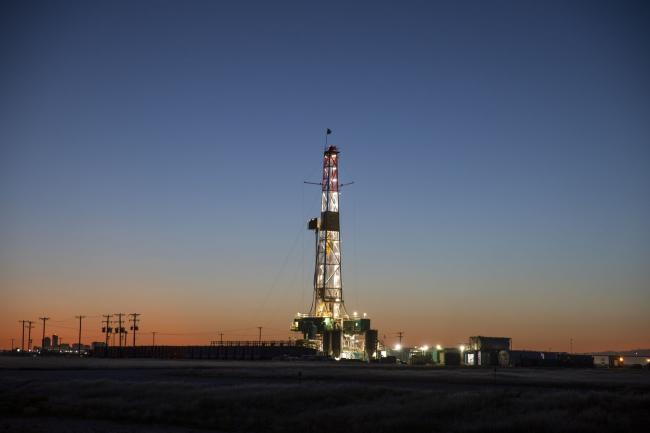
30, 326
106, 328
120, 328
203, 332
278, 275
44, 319
79, 341
134, 319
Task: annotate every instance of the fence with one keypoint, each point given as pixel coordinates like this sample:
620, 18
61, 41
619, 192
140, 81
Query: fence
232, 350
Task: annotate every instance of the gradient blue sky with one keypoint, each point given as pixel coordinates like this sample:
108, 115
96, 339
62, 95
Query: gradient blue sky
153, 153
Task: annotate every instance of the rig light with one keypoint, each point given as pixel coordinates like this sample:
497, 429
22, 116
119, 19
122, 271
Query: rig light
398, 347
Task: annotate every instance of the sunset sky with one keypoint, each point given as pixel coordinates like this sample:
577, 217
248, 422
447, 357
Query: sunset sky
153, 153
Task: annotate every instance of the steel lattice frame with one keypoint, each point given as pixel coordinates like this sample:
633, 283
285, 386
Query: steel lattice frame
328, 284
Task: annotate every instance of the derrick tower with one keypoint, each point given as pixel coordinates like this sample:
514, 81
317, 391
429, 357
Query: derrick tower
328, 326
328, 284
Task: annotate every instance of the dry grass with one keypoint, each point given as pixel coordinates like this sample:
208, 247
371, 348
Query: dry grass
268, 398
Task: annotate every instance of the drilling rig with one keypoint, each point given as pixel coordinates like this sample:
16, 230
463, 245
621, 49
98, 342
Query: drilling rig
328, 327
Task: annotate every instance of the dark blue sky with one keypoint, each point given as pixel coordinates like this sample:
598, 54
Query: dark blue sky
501, 153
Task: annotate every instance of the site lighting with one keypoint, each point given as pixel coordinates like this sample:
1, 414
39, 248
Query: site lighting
425, 348
398, 347
462, 348
438, 347
620, 359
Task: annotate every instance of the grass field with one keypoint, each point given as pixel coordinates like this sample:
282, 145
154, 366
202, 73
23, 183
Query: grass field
96, 395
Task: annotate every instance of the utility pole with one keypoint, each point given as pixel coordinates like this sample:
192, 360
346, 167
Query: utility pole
79, 341
30, 326
153, 341
221, 338
106, 328
120, 329
44, 319
134, 319
22, 341
259, 328
400, 334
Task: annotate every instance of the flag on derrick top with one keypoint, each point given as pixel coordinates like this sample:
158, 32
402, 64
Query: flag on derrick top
329, 131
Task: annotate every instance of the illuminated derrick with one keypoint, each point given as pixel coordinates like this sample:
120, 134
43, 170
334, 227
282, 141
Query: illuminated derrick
327, 326
328, 288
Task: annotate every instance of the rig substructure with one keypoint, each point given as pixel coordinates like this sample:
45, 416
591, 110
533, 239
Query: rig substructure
328, 327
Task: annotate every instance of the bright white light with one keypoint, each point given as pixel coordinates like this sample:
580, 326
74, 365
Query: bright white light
425, 347
355, 314
438, 347
364, 315
462, 348
398, 347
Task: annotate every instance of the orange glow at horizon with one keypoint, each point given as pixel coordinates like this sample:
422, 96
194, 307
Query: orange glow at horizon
194, 313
